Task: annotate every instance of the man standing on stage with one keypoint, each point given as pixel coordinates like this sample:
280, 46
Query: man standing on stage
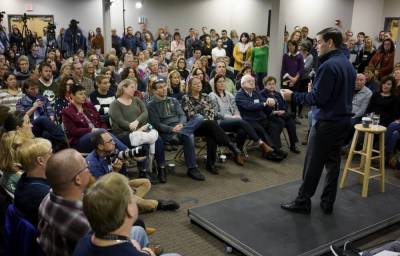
331, 98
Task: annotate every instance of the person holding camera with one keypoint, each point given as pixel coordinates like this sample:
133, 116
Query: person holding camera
102, 160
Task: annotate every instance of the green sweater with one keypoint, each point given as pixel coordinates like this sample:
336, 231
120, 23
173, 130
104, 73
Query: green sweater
260, 59
122, 115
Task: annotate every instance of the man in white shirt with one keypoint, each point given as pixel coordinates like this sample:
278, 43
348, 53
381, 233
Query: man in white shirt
218, 51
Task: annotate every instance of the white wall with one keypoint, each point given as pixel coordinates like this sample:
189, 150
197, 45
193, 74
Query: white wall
243, 15
367, 17
391, 8
317, 14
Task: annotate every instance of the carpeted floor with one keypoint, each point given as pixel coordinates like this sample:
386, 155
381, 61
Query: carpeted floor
175, 233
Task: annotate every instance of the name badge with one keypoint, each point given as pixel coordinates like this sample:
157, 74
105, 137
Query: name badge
256, 101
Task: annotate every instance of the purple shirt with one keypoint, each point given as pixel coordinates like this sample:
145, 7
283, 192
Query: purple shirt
293, 64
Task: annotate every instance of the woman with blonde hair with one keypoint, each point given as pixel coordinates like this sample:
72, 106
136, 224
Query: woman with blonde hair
89, 71
129, 118
234, 36
242, 53
97, 64
32, 187
176, 88
11, 168
18, 129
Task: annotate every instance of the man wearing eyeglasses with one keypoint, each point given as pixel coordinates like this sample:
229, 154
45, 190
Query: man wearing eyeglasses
61, 219
99, 161
99, 164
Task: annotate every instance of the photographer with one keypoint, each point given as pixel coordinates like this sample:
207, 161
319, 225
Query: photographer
100, 162
74, 39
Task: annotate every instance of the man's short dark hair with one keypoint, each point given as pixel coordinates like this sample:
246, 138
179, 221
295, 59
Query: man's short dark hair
28, 83
108, 63
196, 48
332, 33
224, 31
97, 138
361, 33
44, 64
77, 88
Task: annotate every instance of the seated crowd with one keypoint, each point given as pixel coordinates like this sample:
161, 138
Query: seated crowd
146, 94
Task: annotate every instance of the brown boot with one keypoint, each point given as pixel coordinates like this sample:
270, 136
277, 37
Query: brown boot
239, 159
305, 140
265, 149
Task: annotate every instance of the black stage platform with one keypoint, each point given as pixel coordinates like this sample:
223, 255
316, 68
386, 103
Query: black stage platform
254, 224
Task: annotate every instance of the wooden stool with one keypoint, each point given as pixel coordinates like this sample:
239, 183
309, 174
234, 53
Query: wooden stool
366, 156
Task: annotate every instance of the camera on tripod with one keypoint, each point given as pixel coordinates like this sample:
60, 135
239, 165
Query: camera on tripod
51, 27
51, 31
25, 18
130, 153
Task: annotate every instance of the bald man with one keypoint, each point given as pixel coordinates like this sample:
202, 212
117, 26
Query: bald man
360, 102
361, 98
61, 219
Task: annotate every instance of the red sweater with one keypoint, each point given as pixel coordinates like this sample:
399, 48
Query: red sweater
75, 123
386, 62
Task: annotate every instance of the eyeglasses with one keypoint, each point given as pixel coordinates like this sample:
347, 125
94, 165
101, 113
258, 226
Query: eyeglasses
80, 171
110, 141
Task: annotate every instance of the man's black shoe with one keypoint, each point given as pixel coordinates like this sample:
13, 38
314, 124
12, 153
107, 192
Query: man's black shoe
212, 169
295, 149
272, 156
280, 152
297, 207
326, 208
167, 205
195, 174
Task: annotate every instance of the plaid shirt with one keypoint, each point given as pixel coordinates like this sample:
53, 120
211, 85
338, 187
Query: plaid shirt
61, 224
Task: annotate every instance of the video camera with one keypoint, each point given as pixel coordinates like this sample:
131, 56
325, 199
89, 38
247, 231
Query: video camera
73, 24
51, 31
25, 18
139, 151
51, 26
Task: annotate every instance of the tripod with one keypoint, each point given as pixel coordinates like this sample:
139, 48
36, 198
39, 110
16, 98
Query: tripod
26, 35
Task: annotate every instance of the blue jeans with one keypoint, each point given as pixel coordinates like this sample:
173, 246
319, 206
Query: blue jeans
187, 138
392, 136
85, 144
242, 128
139, 234
43, 127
